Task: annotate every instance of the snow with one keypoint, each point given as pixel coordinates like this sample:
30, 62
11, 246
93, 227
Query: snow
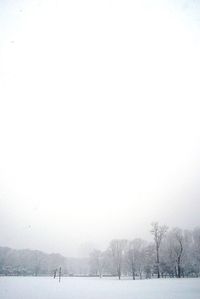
95, 288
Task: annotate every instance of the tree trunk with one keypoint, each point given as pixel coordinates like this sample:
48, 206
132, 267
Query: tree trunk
133, 272
119, 273
158, 262
179, 267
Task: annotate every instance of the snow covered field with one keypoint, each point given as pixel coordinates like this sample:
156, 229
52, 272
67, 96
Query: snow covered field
94, 288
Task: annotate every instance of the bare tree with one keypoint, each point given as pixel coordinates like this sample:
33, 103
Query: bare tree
118, 248
178, 241
158, 233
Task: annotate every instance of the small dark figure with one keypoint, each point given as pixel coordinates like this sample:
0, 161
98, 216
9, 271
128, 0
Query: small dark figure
59, 274
54, 273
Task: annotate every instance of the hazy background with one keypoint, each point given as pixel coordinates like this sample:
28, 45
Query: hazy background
99, 121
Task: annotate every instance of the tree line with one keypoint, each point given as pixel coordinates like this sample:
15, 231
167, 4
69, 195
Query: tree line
170, 253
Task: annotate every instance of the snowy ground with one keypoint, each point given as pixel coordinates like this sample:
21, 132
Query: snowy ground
94, 288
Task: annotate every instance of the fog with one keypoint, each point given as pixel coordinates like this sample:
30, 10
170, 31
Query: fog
99, 121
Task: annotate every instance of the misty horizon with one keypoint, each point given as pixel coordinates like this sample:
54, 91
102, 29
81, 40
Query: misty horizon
85, 249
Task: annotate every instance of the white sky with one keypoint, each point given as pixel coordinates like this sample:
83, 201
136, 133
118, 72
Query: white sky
99, 120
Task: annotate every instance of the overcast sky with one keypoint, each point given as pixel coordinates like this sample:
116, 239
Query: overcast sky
99, 120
